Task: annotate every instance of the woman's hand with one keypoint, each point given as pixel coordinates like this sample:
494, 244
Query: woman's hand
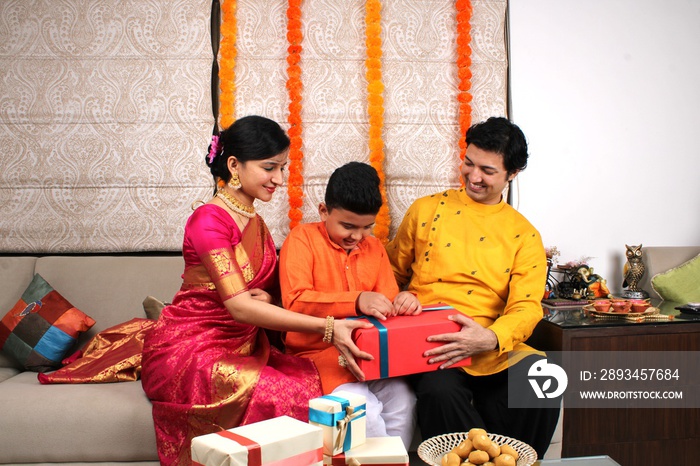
470, 340
260, 295
406, 303
342, 340
371, 303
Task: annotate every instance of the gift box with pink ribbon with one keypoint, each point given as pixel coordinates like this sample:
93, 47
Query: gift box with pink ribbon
398, 343
282, 441
342, 418
376, 451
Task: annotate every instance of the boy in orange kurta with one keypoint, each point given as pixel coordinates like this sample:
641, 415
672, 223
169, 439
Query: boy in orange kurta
335, 267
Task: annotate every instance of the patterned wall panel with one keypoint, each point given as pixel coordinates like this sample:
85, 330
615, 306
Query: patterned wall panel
105, 109
419, 73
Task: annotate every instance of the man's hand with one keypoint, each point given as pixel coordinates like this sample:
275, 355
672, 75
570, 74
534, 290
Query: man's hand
374, 304
407, 304
472, 339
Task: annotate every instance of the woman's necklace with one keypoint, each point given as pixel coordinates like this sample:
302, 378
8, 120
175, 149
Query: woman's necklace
236, 205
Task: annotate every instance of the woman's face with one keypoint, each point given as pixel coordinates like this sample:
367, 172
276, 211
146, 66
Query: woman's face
260, 178
484, 175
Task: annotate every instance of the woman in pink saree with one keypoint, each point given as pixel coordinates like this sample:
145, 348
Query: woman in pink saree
207, 364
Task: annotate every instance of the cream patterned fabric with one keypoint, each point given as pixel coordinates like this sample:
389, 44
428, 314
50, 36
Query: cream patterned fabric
105, 110
105, 116
421, 131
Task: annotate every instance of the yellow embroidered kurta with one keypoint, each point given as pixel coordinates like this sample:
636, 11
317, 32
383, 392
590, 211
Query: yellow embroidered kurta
487, 261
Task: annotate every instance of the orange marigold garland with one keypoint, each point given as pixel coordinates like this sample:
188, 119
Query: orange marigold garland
375, 106
227, 62
294, 86
464, 15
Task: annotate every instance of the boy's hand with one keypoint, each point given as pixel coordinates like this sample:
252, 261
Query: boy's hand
407, 304
374, 304
260, 295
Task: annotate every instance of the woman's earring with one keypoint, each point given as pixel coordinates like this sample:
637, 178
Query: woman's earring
235, 181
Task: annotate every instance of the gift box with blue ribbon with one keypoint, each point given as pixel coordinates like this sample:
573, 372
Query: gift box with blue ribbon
342, 418
398, 343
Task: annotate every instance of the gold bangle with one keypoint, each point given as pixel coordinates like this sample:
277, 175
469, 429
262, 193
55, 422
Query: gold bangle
328, 336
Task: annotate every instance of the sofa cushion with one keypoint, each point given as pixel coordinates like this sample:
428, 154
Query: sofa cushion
658, 259
680, 284
153, 306
41, 327
15, 274
74, 423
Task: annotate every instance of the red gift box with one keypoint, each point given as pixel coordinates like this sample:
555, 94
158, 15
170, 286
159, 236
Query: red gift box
398, 343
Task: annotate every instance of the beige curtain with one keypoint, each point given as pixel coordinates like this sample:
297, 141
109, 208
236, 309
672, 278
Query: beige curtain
420, 76
105, 110
105, 115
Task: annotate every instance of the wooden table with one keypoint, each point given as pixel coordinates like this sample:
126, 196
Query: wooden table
629, 436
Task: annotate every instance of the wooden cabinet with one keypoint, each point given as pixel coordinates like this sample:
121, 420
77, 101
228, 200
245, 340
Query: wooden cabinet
629, 436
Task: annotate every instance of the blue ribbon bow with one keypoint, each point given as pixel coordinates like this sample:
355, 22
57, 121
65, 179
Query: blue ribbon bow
332, 419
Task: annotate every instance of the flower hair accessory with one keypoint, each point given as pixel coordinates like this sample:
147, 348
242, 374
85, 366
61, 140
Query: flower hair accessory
214, 148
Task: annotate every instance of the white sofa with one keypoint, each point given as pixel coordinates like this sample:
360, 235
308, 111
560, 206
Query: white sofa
86, 424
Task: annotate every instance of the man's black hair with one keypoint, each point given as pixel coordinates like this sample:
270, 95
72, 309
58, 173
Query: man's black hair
503, 137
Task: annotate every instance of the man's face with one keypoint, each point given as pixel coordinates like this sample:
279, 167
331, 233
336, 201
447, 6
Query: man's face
345, 228
484, 175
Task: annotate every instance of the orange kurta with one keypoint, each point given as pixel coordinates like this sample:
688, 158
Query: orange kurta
319, 278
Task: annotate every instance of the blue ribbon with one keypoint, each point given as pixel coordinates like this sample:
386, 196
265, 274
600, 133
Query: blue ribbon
383, 345
438, 308
331, 419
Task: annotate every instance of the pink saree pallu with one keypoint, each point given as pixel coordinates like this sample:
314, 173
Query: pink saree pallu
282, 441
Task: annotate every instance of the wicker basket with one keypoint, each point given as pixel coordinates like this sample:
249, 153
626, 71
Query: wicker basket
432, 450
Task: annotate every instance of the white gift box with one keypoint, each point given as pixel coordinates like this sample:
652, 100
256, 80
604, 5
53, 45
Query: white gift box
378, 451
282, 441
342, 417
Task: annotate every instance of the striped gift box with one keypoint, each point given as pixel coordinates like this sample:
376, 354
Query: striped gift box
376, 451
282, 441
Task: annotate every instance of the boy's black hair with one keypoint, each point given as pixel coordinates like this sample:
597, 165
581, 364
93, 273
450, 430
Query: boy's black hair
354, 187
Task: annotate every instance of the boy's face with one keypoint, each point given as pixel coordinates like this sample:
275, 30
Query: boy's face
345, 228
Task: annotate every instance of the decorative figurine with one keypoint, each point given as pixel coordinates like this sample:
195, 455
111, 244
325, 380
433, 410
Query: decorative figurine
593, 284
632, 273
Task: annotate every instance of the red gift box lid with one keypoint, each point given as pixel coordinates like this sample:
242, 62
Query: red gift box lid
398, 343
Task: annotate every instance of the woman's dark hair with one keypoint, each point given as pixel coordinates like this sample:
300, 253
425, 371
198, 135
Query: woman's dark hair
503, 137
249, 138
354, 187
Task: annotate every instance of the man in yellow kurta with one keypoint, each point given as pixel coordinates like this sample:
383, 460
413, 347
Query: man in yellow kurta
470, 249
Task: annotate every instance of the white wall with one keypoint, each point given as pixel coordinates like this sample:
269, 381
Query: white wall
608, 93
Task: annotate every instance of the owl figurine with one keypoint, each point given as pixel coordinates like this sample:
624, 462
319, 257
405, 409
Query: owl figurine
633, 272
